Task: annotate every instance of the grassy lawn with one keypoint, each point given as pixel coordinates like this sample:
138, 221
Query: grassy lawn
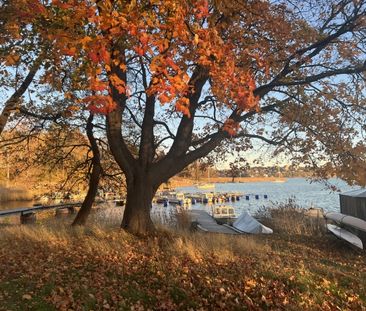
50, 266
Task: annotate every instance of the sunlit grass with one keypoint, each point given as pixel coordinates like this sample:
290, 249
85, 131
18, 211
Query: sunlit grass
52, 265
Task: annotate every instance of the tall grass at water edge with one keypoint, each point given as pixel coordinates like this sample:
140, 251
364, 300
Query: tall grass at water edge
290, 218
14, 194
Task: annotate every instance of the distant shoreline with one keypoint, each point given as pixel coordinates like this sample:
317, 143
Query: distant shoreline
186, 182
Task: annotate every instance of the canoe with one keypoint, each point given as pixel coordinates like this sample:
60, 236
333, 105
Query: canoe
354, 222
345, 235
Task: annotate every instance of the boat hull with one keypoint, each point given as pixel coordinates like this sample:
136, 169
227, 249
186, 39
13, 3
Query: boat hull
345, 235
225, 220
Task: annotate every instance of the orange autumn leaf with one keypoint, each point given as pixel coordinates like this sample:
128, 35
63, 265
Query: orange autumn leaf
231, 127
182, 105
101, 104
163, 98
118, 83
11, 59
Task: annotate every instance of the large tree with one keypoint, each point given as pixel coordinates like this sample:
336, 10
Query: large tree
187, 77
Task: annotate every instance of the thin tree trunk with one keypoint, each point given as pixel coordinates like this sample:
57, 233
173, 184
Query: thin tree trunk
96, 172
136, 218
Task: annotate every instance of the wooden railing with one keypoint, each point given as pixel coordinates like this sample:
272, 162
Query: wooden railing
27, 214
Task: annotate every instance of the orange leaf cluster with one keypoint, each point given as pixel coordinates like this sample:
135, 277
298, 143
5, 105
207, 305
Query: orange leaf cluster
182, 105
100, 103
231, 127
167, 39
118, 83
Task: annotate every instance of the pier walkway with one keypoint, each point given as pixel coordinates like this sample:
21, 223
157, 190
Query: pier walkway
36, 208
207, 223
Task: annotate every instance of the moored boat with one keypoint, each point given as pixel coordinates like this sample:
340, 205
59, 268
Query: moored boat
206, 186
224, 214
248, 224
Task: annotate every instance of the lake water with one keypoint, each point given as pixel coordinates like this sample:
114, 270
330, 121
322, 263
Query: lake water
305, 194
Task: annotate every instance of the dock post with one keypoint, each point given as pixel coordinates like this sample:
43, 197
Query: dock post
27, 217
60, 212
71, 210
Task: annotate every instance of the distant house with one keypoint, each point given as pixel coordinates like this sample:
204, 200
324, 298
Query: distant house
353, 203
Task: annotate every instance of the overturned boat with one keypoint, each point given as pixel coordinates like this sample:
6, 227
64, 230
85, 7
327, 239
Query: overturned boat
248, 224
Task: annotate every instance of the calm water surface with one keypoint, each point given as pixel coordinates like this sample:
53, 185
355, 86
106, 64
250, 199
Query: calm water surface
306, 194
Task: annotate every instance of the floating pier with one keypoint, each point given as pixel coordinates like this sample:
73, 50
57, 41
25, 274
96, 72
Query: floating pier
206, 222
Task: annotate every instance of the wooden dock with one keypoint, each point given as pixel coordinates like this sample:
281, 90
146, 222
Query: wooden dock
36, 208
207, 223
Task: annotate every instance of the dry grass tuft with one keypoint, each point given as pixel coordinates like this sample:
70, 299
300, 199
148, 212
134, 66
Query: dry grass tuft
198, 246
182, 219
289, 218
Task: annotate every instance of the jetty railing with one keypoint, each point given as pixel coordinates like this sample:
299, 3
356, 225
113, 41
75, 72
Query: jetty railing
36, 208
27, 214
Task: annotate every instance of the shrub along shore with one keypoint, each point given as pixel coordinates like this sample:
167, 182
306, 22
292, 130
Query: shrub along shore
51, 266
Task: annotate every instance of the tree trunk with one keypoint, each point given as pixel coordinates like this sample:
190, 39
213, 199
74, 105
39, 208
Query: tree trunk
86, 207
136, 218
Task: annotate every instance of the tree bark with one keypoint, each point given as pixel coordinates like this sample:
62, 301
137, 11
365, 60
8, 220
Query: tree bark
136, 218
86, 207
96, 172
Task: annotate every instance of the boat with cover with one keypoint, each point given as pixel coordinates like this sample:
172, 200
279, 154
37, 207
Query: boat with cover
248, 224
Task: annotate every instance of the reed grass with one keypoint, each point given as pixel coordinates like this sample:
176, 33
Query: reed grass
290, 218
14, 194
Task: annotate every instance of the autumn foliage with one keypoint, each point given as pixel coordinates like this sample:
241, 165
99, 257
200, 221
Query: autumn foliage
168, 36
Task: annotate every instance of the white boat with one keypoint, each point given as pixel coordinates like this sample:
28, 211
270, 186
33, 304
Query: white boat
345, 235
347, 220
173, 197
224, 214
248, 224
206, 186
